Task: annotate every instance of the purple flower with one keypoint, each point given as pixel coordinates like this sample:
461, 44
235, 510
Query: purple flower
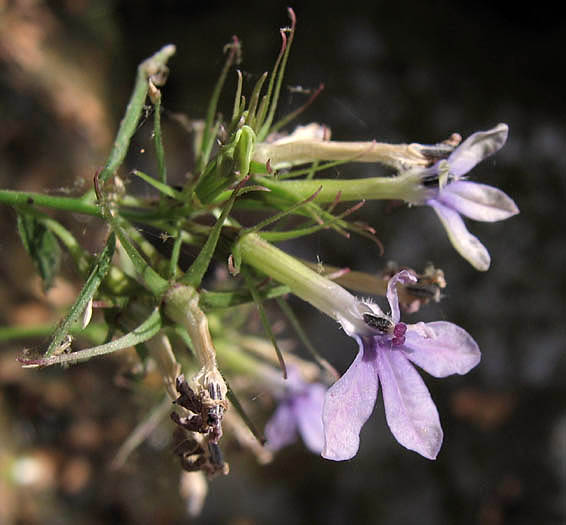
300, 407
452, 197
385, 356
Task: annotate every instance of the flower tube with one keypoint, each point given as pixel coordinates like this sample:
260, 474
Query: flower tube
440, 186
387, 349
387, 357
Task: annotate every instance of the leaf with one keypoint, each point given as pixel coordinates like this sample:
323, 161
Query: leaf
97, 274
159, 185
265, 321
231, 395
217, 300
143, 332
42, 246
195, 273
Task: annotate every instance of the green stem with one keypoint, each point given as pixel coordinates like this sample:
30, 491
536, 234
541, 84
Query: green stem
95, 333
154, 65
26, 198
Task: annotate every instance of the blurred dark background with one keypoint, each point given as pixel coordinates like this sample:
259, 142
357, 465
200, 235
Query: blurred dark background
393, 71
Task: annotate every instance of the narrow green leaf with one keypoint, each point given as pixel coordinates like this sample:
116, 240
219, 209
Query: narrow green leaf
281, 196
296, 324
183, 335
157, 138
97, 274
294, 114
141, 432
278, 216
254, 99
143, 332
314, 168
272, 77
265, 321
236, 112
175, 253
163, 188
218, 300
41, 245
242, 413
208, 133
82, 258
274, 236
279, 236
286, 48
208, 147
154, 282
193, 276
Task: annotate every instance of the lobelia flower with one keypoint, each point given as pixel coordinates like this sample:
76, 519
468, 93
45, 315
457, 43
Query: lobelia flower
451, 197
387, 350
300, 408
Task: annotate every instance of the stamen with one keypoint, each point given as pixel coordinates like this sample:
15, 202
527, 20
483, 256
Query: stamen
381, 324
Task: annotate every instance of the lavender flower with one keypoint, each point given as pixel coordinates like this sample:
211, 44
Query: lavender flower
452, 197
300, 407
440, 348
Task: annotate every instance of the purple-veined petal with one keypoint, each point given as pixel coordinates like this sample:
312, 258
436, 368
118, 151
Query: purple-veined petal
466, 244
308, 412
478, 201
409, 409
281, 429
402, 277
441, 348
477, 147
349, 403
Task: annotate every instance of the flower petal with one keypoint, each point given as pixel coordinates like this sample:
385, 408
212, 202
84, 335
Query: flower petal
281, 429
409, 409
466, 244
477, 147
478, 201
441, 348
349, 403
402, 277
308, 411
